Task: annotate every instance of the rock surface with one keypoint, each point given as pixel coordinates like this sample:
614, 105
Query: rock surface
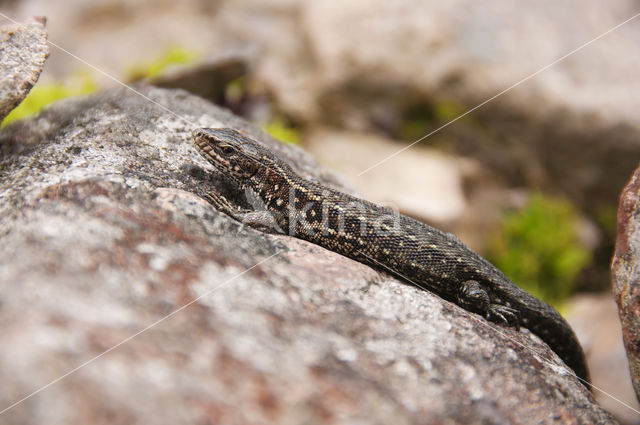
23, 51
625, 274
104, 237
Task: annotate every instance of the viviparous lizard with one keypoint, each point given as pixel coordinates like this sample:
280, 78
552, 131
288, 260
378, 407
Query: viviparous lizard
377, 236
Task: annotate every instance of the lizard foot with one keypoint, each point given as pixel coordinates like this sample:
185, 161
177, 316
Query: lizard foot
222, 204
501, 314
473, 297
259, 220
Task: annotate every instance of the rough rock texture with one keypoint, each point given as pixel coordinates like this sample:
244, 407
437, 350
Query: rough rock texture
104, 234
23, 51
625, 274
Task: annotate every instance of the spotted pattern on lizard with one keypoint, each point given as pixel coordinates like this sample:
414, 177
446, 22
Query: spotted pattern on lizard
377, 236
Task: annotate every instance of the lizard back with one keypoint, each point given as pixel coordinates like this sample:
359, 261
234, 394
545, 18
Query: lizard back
384, 239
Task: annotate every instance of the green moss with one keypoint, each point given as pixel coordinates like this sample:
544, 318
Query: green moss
416, 122
422, 118
281, 131
44, 94
538, 248
607, 219
236, 90
446, 110
153, 69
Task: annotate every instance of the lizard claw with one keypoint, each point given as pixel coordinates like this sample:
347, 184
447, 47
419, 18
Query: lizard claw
501, 314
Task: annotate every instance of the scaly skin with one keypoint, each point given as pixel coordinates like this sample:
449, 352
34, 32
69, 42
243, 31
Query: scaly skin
379, 237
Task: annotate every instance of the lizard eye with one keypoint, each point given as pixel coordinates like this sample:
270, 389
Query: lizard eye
226, 149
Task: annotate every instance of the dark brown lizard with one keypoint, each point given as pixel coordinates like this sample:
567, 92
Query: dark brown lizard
377, 236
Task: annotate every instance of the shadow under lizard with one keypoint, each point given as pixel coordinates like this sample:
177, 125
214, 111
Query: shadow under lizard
377, 236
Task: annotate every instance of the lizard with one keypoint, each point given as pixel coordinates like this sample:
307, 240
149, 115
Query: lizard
377, 236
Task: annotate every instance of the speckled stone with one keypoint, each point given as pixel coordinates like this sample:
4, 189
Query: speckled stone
625, 274
23, 51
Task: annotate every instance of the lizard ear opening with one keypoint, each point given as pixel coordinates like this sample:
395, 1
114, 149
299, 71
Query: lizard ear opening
472, 296
250, 150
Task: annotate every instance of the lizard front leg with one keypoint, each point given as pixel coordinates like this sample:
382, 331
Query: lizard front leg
499, 313
259, 220
472, 296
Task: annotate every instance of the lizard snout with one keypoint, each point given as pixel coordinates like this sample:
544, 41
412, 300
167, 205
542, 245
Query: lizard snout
198, 133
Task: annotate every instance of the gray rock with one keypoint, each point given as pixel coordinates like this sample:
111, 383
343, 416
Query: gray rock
625, 275
23, 51
104, 236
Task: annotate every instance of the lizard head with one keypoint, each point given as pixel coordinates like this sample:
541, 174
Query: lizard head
231, 152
